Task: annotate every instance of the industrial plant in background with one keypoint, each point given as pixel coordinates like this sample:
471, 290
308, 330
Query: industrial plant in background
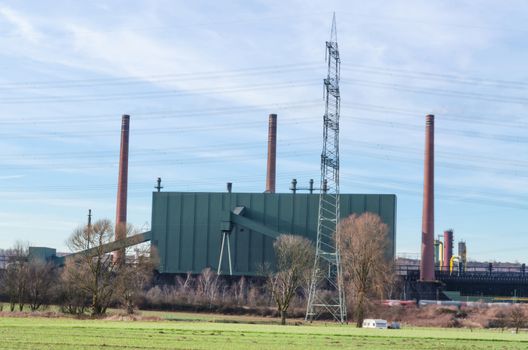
233, 233
444, 258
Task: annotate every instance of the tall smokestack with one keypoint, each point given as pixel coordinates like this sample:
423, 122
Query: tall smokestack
272, 154
122, 186
448, 248
427, 261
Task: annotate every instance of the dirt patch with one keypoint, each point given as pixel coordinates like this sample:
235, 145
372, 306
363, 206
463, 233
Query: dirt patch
484, 316
22, 314
133, 317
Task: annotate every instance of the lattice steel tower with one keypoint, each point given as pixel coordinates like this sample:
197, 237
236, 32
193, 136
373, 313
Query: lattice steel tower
326, 287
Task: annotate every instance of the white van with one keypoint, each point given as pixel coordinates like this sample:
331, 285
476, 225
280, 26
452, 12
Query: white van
373, 323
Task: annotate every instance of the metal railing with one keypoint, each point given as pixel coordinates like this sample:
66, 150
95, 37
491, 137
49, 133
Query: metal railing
470, 271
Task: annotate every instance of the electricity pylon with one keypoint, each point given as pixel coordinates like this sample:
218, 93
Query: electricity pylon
326, 286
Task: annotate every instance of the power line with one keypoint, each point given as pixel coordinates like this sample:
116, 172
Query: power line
229, 125
267, 70
438, 92
430, 76
484, 197
156, 94
163, 155
445, 164
389, 147
160, 78
148, 131
443, 130
507, 121
208, 112
159, 114
152, 152
368, 150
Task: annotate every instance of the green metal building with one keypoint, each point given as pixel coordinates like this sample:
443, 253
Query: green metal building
188, 227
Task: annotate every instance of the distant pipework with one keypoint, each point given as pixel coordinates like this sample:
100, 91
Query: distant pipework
272, 154
462, 253
122, 187
158, 185
448, 248
427, 259
293, 186
439, 253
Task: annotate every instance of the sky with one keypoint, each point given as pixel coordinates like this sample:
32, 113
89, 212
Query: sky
199, 79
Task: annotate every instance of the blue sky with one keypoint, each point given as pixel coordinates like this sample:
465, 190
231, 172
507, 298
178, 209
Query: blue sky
200, 77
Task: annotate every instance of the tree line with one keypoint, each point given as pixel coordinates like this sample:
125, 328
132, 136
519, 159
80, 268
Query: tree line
92, 281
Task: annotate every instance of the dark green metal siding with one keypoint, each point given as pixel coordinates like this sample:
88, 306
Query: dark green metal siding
42, 253
186, 226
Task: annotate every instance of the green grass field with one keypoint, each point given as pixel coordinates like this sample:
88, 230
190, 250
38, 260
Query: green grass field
191, 331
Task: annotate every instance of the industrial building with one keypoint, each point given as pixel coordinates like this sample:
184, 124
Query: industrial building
188, 228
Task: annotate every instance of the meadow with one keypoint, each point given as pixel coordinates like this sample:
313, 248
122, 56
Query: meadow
196, 331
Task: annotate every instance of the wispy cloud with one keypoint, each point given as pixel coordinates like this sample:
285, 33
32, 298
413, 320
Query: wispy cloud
11, 177
22, 24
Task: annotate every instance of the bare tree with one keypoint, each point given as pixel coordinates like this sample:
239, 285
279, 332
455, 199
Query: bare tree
362, 241
133, 277
500, 320
240, 291
15, 277
10, 285
517, 318
40, 281
208, 285
92, 270
73, 299
295, 257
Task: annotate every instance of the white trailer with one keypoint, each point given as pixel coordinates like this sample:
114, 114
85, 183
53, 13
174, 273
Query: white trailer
374, 323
